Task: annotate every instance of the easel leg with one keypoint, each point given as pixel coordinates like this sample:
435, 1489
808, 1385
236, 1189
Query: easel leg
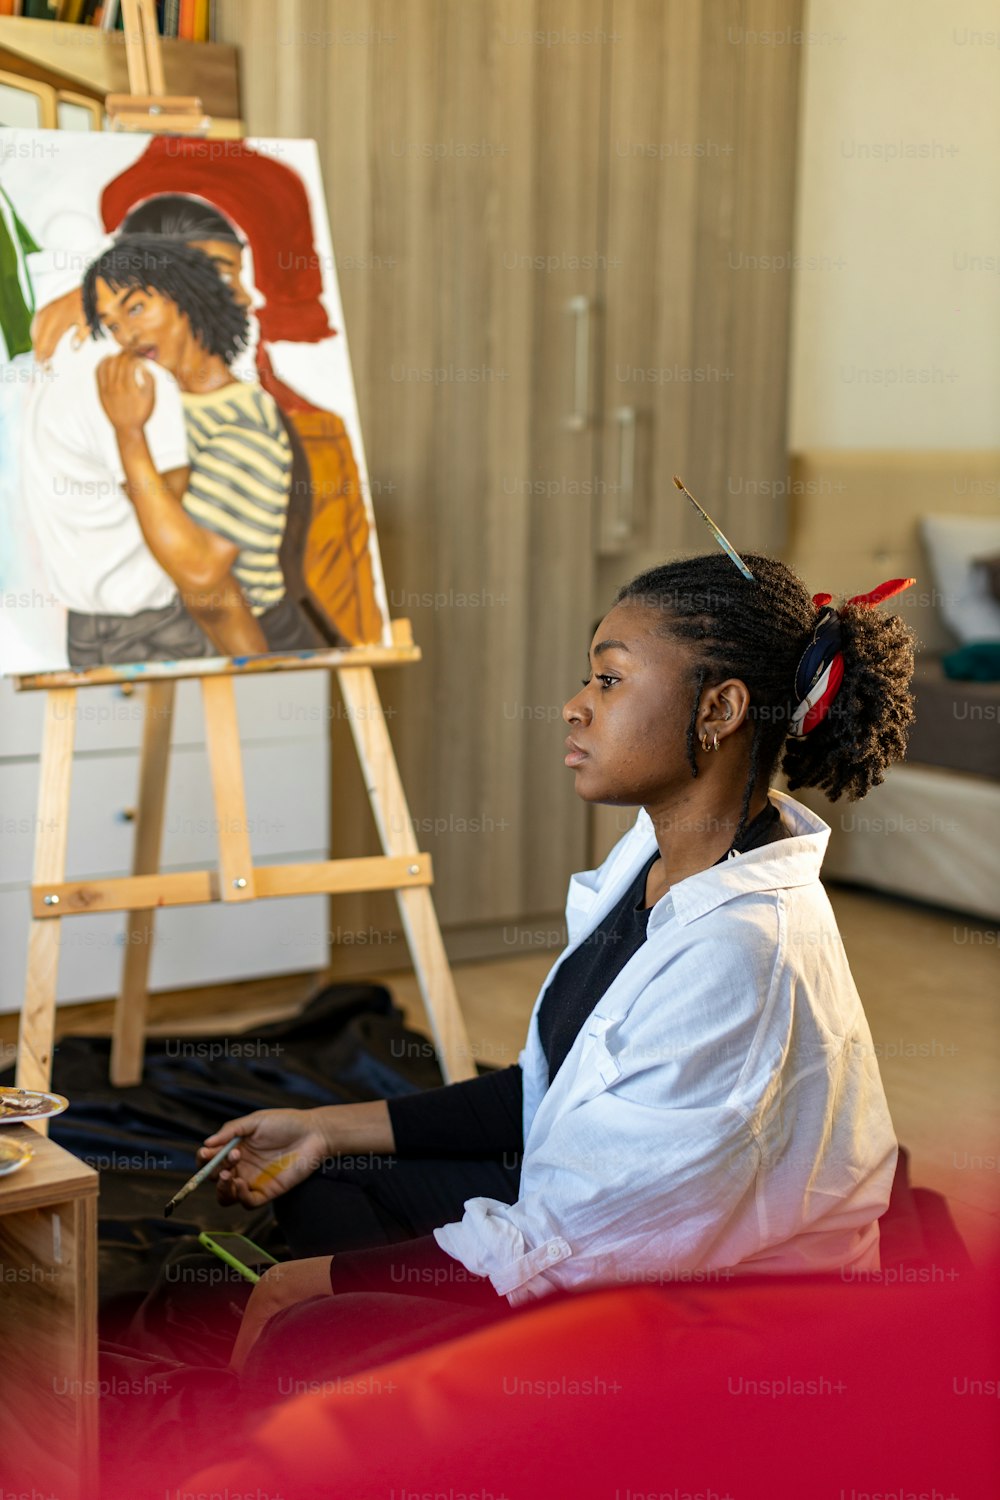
128, 1035
222, 732
416, 906
37, 1028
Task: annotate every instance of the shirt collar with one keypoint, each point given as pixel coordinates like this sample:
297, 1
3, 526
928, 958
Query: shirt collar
777, 866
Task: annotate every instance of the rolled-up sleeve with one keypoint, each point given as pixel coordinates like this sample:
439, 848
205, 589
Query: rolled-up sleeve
647, 1165
618, 1191
722, 1110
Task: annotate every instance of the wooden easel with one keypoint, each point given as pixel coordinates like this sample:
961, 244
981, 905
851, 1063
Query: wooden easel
401, 868
147, 105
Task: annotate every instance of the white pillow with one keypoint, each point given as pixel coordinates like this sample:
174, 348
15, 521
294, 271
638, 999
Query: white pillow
954, 542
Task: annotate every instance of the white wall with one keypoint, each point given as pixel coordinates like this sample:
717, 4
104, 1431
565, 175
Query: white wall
896, 311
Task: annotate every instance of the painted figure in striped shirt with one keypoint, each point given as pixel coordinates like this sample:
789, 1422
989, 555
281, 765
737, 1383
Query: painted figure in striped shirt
166, 301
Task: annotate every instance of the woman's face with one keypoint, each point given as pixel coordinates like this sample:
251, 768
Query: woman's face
628, 724
144, 322
227, 259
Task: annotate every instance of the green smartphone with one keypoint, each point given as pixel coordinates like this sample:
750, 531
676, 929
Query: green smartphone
239, 1252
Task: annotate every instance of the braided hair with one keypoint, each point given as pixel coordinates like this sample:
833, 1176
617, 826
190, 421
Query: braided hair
756, 631
182, 274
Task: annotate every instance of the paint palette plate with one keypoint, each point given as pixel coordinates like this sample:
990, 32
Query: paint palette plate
13, 1155
18, 1106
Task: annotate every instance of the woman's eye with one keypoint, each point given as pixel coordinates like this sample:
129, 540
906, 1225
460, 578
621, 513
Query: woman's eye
604, 678
136, 307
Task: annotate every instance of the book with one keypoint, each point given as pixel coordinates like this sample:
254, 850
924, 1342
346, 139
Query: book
171, 17
109, 15
185, 28
40, 10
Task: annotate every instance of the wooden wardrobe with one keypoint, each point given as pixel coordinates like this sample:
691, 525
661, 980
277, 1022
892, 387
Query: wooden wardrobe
559, 229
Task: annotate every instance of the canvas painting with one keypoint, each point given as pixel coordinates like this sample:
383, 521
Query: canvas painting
182, 473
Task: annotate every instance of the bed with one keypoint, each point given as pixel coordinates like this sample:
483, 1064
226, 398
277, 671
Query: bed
931, 831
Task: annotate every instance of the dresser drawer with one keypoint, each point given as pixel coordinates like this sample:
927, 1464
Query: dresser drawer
194, 945
286, 794
279, 705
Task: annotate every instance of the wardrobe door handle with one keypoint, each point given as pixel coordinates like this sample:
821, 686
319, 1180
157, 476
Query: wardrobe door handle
579, 309
623, 521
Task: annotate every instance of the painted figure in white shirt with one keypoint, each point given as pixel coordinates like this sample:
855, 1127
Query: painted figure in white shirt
73, 485
322, 574
166, 305
163, 300
118, 594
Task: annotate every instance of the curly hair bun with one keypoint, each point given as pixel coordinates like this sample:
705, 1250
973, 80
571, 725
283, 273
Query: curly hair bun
756, 630
865, 730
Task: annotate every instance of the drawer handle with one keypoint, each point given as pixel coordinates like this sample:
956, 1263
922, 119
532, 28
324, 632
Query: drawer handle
126, 815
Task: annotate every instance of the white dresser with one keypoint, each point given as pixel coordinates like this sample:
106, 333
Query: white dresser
283, 729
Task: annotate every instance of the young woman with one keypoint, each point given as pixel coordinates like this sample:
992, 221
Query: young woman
698, 1093
166, 301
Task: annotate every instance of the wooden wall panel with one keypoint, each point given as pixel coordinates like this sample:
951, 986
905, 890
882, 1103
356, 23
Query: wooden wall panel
653, 195
760, 263
635, 167
720, 84
456, 149
701, 184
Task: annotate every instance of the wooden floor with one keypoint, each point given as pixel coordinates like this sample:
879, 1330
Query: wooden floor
929, 984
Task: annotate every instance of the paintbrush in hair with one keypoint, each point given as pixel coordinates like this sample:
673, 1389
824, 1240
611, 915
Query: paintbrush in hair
726, 546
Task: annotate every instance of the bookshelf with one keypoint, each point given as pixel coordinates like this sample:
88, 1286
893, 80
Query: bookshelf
91, 62
188, 20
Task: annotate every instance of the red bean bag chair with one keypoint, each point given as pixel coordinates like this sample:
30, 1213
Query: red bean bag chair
796, 1388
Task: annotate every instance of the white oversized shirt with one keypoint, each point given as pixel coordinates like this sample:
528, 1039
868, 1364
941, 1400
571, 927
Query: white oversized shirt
73, 483
721, 1108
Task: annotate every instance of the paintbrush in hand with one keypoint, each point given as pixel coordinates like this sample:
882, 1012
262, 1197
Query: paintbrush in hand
200, 1175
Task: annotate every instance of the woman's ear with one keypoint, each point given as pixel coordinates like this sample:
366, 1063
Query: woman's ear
724, 708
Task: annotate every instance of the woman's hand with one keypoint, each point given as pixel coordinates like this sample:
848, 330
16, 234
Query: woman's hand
280, 1147
282, 1286
127, 392
51, 322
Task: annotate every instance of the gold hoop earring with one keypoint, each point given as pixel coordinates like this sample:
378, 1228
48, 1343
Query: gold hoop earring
704, 741
715, 740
